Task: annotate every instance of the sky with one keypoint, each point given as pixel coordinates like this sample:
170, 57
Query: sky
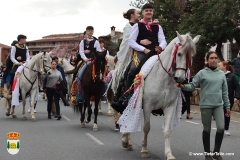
38, 18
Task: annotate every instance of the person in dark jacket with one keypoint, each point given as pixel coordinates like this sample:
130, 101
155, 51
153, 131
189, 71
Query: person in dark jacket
236, 64
186, 101
233, 89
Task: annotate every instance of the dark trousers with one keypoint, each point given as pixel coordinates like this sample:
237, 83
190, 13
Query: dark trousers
186, 102
134, 70
13, 71
51, 92
227, 119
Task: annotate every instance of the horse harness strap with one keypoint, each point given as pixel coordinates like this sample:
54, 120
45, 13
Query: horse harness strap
173, 60
29, 80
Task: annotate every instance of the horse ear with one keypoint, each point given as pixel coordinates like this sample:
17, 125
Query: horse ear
196, 39
181, 40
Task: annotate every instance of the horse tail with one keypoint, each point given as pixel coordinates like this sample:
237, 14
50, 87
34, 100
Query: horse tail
76, 109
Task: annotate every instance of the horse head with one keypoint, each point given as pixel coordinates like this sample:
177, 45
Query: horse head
46, 62
100, 64
65, 64
182, 56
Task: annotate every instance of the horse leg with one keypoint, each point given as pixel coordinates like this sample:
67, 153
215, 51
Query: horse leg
99, 107
8, 106
23, 104
168, 112
126, 143
110, 113
87, 101
33, 95
97, 101
13, 112
146, 129
82, 114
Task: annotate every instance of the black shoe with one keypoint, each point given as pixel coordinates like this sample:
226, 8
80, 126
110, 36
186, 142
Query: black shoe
49, 117
208, 158
59, 117
56, 116
217, 157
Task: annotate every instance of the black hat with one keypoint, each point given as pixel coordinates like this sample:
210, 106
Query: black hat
20, 36
147, 6
89, 28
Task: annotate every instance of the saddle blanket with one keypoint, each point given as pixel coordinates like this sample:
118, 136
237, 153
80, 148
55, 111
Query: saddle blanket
131, 119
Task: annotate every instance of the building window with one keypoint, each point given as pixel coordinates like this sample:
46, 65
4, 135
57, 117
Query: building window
229, 52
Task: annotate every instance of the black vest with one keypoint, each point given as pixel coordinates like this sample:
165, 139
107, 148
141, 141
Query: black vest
146, 34
22, 53
90, 46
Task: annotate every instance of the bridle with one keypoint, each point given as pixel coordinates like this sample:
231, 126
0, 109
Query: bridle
45, 66
173, 63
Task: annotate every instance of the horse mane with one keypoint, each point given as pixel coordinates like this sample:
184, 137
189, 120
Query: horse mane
33, 60
66, 65
189, 44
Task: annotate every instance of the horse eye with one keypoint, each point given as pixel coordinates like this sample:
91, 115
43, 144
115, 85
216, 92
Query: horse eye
179, 54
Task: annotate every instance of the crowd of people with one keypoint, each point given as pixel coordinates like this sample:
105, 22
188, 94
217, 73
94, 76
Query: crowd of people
219, 81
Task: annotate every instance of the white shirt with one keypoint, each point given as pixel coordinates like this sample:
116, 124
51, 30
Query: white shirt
81, 48
13, 51
134, 34
107, 51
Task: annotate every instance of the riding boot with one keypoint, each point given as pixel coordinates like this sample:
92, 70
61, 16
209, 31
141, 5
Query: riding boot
206, 144
130, 80
218, 143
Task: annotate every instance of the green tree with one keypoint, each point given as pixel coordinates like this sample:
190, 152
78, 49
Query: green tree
18, 145
112, 48
8, 145
118, 44
215, 21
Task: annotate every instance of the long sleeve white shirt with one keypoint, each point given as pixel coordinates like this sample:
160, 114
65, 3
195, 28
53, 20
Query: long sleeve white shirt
13, 52
81, 48
124, 47
134, 34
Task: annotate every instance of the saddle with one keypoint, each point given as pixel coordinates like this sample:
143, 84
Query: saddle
121, 98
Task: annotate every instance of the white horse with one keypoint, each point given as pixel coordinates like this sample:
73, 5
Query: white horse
69, 77
160, 91
28, 82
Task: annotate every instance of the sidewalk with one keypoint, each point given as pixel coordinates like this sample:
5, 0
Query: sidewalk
235, 116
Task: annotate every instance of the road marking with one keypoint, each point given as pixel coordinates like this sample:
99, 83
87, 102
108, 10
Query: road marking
214, 128
66, 118
94, 139
191, 122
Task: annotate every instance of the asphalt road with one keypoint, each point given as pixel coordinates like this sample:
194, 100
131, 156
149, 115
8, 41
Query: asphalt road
66, 140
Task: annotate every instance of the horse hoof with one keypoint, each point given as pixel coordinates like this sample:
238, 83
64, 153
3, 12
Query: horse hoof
171, 157
116, 130
130, 148
124, 144
100, 112
110, 113
34, 119
95, 127
145, 154
14, 116
24, 118
83, 125
7, 114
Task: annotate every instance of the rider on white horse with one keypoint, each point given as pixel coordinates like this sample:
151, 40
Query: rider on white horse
19, 54
147, 39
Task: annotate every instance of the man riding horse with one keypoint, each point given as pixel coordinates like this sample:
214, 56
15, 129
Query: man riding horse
147, 39
19, 54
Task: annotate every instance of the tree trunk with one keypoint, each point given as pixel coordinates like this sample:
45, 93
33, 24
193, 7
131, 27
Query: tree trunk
235, 49
219, 50
198, 63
